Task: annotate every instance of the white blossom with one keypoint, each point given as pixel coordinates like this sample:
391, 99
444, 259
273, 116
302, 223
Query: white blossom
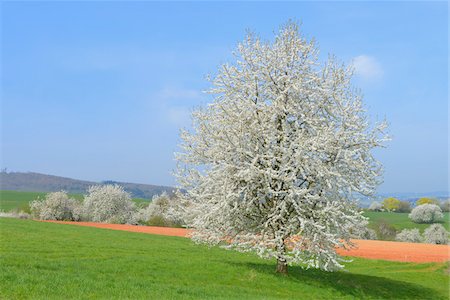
409, 235
376, 206
109, 204
426, 213
436, 234
56, 206
162, 210
274, 163
361, 231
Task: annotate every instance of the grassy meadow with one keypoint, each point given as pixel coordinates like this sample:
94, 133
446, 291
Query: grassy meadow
401, 221
15, 200
69, 262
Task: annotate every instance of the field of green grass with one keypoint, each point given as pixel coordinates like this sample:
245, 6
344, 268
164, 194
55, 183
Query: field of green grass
400, 220
69, 262
11, 200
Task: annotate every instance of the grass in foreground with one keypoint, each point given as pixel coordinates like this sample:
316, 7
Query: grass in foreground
53, 261
401, 221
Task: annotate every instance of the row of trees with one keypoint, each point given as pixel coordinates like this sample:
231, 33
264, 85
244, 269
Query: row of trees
108, 204
435, 234
395, 205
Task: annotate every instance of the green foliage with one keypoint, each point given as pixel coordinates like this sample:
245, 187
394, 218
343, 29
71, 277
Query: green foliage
70, 262
425, 200
391, 204
385, 231
404, 207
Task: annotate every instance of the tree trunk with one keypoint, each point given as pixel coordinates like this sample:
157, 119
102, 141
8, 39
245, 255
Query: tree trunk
282, 266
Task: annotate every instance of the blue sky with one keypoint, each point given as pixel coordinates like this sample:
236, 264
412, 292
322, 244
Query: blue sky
99, 90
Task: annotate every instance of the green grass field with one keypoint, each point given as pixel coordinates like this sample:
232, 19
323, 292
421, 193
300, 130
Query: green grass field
11, 200
400, 220
53, 261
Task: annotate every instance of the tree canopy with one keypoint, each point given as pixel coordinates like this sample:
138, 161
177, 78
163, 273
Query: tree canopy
273, 164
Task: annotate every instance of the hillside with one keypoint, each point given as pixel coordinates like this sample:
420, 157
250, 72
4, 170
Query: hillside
36, 182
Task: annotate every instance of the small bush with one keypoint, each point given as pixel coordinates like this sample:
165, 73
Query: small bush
109, 204
56, 206
436, 234
160, 212
409, 235
15, 214
426, 213
445, 205
384, 230
367, 234
376, 206
404, 207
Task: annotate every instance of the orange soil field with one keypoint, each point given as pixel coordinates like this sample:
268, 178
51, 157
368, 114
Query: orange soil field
395, 251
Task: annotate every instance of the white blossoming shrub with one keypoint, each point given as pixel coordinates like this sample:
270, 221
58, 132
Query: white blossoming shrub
376, 206
436, 234
426, 213
14, 214
445, 205
366, 234
162, 211
409, 235
360, 231
109, 204
56, 206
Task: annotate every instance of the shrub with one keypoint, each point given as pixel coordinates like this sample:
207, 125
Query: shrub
365, 234
384, 230
56, 206
14, 214
360, 231
425, 200
409, 235
426, 213
445, 205
391, 204
436, 234
376, 206
109, 204
160, 212
404, 207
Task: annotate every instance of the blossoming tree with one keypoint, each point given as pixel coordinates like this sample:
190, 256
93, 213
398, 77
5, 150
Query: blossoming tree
273, 163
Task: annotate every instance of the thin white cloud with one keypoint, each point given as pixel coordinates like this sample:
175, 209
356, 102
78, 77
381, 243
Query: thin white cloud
179, 94
180, 116
176, 104
367, 67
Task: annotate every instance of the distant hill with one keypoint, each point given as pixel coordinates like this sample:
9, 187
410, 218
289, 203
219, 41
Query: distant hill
36, 182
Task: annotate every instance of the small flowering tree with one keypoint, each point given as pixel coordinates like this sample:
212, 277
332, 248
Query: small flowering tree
274, 162
109, 204
160, 212
445, 205
361, 231
409, 235
436, 234
426, 213
56, 206
376, 206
